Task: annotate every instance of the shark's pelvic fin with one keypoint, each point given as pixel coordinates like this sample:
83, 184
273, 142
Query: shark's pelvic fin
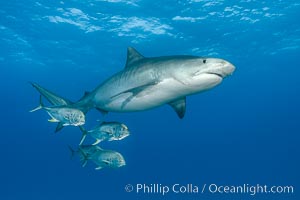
179, 106
133, 56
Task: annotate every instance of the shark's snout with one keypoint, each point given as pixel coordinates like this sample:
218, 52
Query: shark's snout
223, 68
228, 68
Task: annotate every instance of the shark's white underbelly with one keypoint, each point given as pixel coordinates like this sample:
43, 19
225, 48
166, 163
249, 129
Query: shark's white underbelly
162, 93
151, 97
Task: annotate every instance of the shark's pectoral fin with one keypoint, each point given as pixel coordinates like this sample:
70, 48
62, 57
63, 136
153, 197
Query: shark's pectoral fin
59, 126
134, 92
179, 106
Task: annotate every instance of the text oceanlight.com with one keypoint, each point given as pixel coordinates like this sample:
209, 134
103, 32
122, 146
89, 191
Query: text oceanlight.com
213, 188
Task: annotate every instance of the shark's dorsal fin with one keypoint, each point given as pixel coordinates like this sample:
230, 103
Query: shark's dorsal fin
86, 93
132, 56
179, 106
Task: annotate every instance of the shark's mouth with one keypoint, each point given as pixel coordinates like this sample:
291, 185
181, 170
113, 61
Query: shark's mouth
219, 75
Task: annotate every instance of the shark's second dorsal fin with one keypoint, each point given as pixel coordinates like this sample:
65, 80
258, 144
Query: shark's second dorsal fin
132, 56
86, 93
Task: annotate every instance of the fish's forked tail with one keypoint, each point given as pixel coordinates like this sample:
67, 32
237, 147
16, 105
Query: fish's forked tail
39, 107
72, 151
83, 157
84, 133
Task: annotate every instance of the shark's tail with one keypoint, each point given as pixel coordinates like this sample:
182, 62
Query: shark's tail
84, 104
84, 133
39, 107
54, 99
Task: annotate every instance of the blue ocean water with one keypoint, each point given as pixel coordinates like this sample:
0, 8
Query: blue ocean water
244, 131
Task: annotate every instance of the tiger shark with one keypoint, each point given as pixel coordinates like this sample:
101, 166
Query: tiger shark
149, 82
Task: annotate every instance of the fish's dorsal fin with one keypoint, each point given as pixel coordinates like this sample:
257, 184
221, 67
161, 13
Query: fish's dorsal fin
179, 106
133, 56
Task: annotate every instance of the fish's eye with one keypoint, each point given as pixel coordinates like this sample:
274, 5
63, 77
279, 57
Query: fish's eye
204, 61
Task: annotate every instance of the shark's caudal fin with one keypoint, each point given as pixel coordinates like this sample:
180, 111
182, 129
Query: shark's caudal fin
39, 107
54, 99
84, 104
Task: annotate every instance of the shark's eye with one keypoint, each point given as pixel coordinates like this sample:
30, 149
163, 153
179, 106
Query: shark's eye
204, 61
